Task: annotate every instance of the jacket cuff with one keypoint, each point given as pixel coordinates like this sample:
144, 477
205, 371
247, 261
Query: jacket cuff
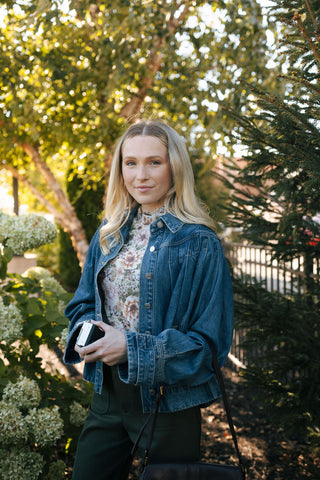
70, 356
140, 368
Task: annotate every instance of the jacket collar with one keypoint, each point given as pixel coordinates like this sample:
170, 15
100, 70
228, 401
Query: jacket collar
172, 222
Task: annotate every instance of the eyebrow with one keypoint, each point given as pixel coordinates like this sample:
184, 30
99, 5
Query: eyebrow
131, 157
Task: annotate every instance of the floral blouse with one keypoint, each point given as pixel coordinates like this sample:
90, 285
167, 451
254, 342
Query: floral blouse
121, 276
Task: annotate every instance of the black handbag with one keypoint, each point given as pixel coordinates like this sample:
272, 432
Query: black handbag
192, 470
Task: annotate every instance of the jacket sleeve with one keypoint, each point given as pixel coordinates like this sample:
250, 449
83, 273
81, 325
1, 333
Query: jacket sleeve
82, 306
205, 305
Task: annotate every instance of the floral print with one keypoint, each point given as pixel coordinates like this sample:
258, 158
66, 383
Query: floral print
121, 276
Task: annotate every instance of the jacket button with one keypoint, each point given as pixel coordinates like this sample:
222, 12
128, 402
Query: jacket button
160, 224
152, 249
147, 305
148, 276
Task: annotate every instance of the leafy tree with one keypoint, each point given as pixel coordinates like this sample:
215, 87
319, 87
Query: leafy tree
72, 79
276, 203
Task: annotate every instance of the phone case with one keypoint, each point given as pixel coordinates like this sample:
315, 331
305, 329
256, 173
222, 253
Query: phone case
89, 333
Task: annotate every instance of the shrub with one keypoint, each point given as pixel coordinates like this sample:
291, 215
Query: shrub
35, 424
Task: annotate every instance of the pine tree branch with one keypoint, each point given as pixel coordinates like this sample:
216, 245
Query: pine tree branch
297, 18
301, 81
312, 16
285, 108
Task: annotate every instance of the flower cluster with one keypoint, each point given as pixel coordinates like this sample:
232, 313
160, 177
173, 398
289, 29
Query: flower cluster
42, 426
48, 284
61, 307
46, 280
63, 338
13, 428
45, 425
10, 322
25, 232
78, 414
24, 394
20, 464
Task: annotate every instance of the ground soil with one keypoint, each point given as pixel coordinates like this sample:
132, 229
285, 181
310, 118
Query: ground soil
267, 455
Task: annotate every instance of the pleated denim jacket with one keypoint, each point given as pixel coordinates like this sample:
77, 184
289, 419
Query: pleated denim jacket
185, 290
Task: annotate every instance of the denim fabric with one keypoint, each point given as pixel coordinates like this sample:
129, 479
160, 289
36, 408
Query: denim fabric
185, 289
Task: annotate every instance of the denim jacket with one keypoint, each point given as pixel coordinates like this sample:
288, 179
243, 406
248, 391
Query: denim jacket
185, 290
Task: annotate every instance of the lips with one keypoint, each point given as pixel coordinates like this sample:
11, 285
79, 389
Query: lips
143, 189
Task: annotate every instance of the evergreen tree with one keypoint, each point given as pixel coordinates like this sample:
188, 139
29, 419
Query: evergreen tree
276, 203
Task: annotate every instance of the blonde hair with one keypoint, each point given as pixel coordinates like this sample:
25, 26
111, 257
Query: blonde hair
181, 199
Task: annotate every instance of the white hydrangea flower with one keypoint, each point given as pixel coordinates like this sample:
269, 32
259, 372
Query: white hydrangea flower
25, 232
63, 338
37, 273
10, 322
24, 394
61, 307
20, 464
78, 414
45, 425
13, 428
46, 280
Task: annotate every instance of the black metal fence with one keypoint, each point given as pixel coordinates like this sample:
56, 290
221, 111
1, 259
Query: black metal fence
258, 265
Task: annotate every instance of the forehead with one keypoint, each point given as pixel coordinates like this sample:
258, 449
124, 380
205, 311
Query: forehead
143, 146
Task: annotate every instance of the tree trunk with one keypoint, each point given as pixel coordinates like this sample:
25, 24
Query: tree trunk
15, 188
67, 217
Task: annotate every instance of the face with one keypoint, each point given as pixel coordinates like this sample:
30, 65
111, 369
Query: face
146, 171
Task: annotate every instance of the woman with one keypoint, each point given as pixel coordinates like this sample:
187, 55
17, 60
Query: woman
155, 279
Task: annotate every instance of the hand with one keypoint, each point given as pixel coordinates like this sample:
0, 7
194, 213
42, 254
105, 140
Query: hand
110, 349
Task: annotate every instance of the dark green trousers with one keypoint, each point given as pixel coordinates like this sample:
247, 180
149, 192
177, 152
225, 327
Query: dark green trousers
114, 420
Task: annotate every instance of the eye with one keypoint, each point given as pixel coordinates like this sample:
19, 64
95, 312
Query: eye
155, 162
129, 163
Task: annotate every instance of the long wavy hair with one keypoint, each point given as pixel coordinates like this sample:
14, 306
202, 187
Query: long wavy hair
180, 200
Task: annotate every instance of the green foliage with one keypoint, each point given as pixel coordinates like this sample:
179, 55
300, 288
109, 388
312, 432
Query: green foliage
276, 203
68, 264
81, 73
36, 401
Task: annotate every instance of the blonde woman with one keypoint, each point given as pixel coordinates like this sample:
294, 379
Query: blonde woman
155, 280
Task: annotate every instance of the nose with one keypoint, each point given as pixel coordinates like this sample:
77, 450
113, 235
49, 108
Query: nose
142, 172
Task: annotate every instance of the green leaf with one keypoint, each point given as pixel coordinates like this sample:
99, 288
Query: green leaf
34, 322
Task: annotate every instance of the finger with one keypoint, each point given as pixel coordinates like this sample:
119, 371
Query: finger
91, 357
103, 326
78, 350
89, 349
